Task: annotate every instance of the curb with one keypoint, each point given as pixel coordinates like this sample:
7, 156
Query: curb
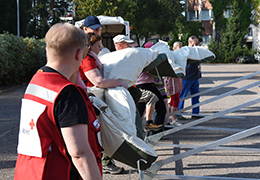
10, 88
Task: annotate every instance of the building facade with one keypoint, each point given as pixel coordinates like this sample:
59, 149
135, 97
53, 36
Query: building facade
201, 10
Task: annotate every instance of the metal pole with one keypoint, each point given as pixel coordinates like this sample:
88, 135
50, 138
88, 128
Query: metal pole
18, 20
74, 13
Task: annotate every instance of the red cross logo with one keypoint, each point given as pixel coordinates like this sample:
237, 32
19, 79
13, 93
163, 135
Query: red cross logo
32, 124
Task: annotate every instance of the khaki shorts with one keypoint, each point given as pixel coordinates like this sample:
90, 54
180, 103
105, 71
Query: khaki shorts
148, 97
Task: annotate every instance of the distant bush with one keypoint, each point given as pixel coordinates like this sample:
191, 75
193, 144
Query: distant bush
237, 55
20, 58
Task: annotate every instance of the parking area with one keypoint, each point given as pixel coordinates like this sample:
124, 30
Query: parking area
220, 163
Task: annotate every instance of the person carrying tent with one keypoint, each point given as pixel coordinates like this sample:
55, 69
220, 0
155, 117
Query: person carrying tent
148, 98
90, 69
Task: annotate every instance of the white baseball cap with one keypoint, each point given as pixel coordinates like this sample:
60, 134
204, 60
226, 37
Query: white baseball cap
120, 38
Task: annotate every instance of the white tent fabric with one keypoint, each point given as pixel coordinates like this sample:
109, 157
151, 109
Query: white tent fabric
178, 58
112, 137
122, 105
104, 20
127, 64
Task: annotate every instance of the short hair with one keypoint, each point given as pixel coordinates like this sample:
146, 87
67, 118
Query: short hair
63, 37
192, 38
176, 44
93, 38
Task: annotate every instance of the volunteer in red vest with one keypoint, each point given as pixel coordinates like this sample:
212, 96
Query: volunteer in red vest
58, 126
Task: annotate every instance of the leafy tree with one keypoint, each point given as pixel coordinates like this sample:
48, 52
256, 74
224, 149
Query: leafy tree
169, 12
220, 21
233, 37
246, 6
142, 18
101, 7
9, 16
146, 17
45, 13
184, 29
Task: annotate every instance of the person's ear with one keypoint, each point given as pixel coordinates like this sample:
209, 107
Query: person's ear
77, 55
85, 29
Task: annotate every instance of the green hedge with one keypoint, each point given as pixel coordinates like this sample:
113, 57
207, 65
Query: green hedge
238, 55
20, 58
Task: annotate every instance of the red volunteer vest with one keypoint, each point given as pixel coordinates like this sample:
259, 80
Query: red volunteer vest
41, 148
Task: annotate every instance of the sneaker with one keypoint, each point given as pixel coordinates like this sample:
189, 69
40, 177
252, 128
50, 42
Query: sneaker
112, 168
180, 117
152, 127
175, 123
197, 117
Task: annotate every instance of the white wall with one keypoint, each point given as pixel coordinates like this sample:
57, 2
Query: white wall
256, 36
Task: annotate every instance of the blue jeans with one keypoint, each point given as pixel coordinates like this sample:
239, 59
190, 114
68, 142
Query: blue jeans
191, 86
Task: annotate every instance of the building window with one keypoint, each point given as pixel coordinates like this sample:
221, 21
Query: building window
205, 39
193, 15
250, 32
227, 13
205, 15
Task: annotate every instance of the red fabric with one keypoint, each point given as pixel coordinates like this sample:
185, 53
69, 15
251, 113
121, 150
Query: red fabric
53, 164
92, 131
88, 63
175, 99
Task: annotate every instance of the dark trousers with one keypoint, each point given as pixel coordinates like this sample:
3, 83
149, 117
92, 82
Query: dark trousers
159, 106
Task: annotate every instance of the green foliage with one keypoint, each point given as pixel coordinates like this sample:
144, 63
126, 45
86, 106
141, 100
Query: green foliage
146, 17
20, 58
8, 15
167, 14
45, 13
184, 29
230, 45
101, 7
213, 46
233, 37
245, 6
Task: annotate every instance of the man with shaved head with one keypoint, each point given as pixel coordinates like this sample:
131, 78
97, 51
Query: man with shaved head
58, 126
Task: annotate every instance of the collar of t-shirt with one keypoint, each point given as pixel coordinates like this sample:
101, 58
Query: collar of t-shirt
48, 69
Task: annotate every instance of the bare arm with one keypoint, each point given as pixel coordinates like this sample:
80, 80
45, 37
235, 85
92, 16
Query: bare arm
96, 78
76, 140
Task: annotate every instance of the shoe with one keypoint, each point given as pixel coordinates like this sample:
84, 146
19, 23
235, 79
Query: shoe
197, 117
152, 127
175, 123
112, 168
180, 117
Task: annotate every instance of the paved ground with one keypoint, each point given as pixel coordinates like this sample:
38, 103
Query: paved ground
237, 164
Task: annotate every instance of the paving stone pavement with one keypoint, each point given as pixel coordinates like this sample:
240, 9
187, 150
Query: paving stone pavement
221, 163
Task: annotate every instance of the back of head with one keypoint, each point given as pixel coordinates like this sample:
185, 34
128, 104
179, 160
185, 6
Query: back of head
177, 45
192, 40
62, 38
93, 38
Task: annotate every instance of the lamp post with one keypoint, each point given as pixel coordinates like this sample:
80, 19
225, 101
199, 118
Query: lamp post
73, 13
18, 20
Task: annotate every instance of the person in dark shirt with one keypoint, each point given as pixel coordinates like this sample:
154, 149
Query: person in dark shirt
58, 138
190, 82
